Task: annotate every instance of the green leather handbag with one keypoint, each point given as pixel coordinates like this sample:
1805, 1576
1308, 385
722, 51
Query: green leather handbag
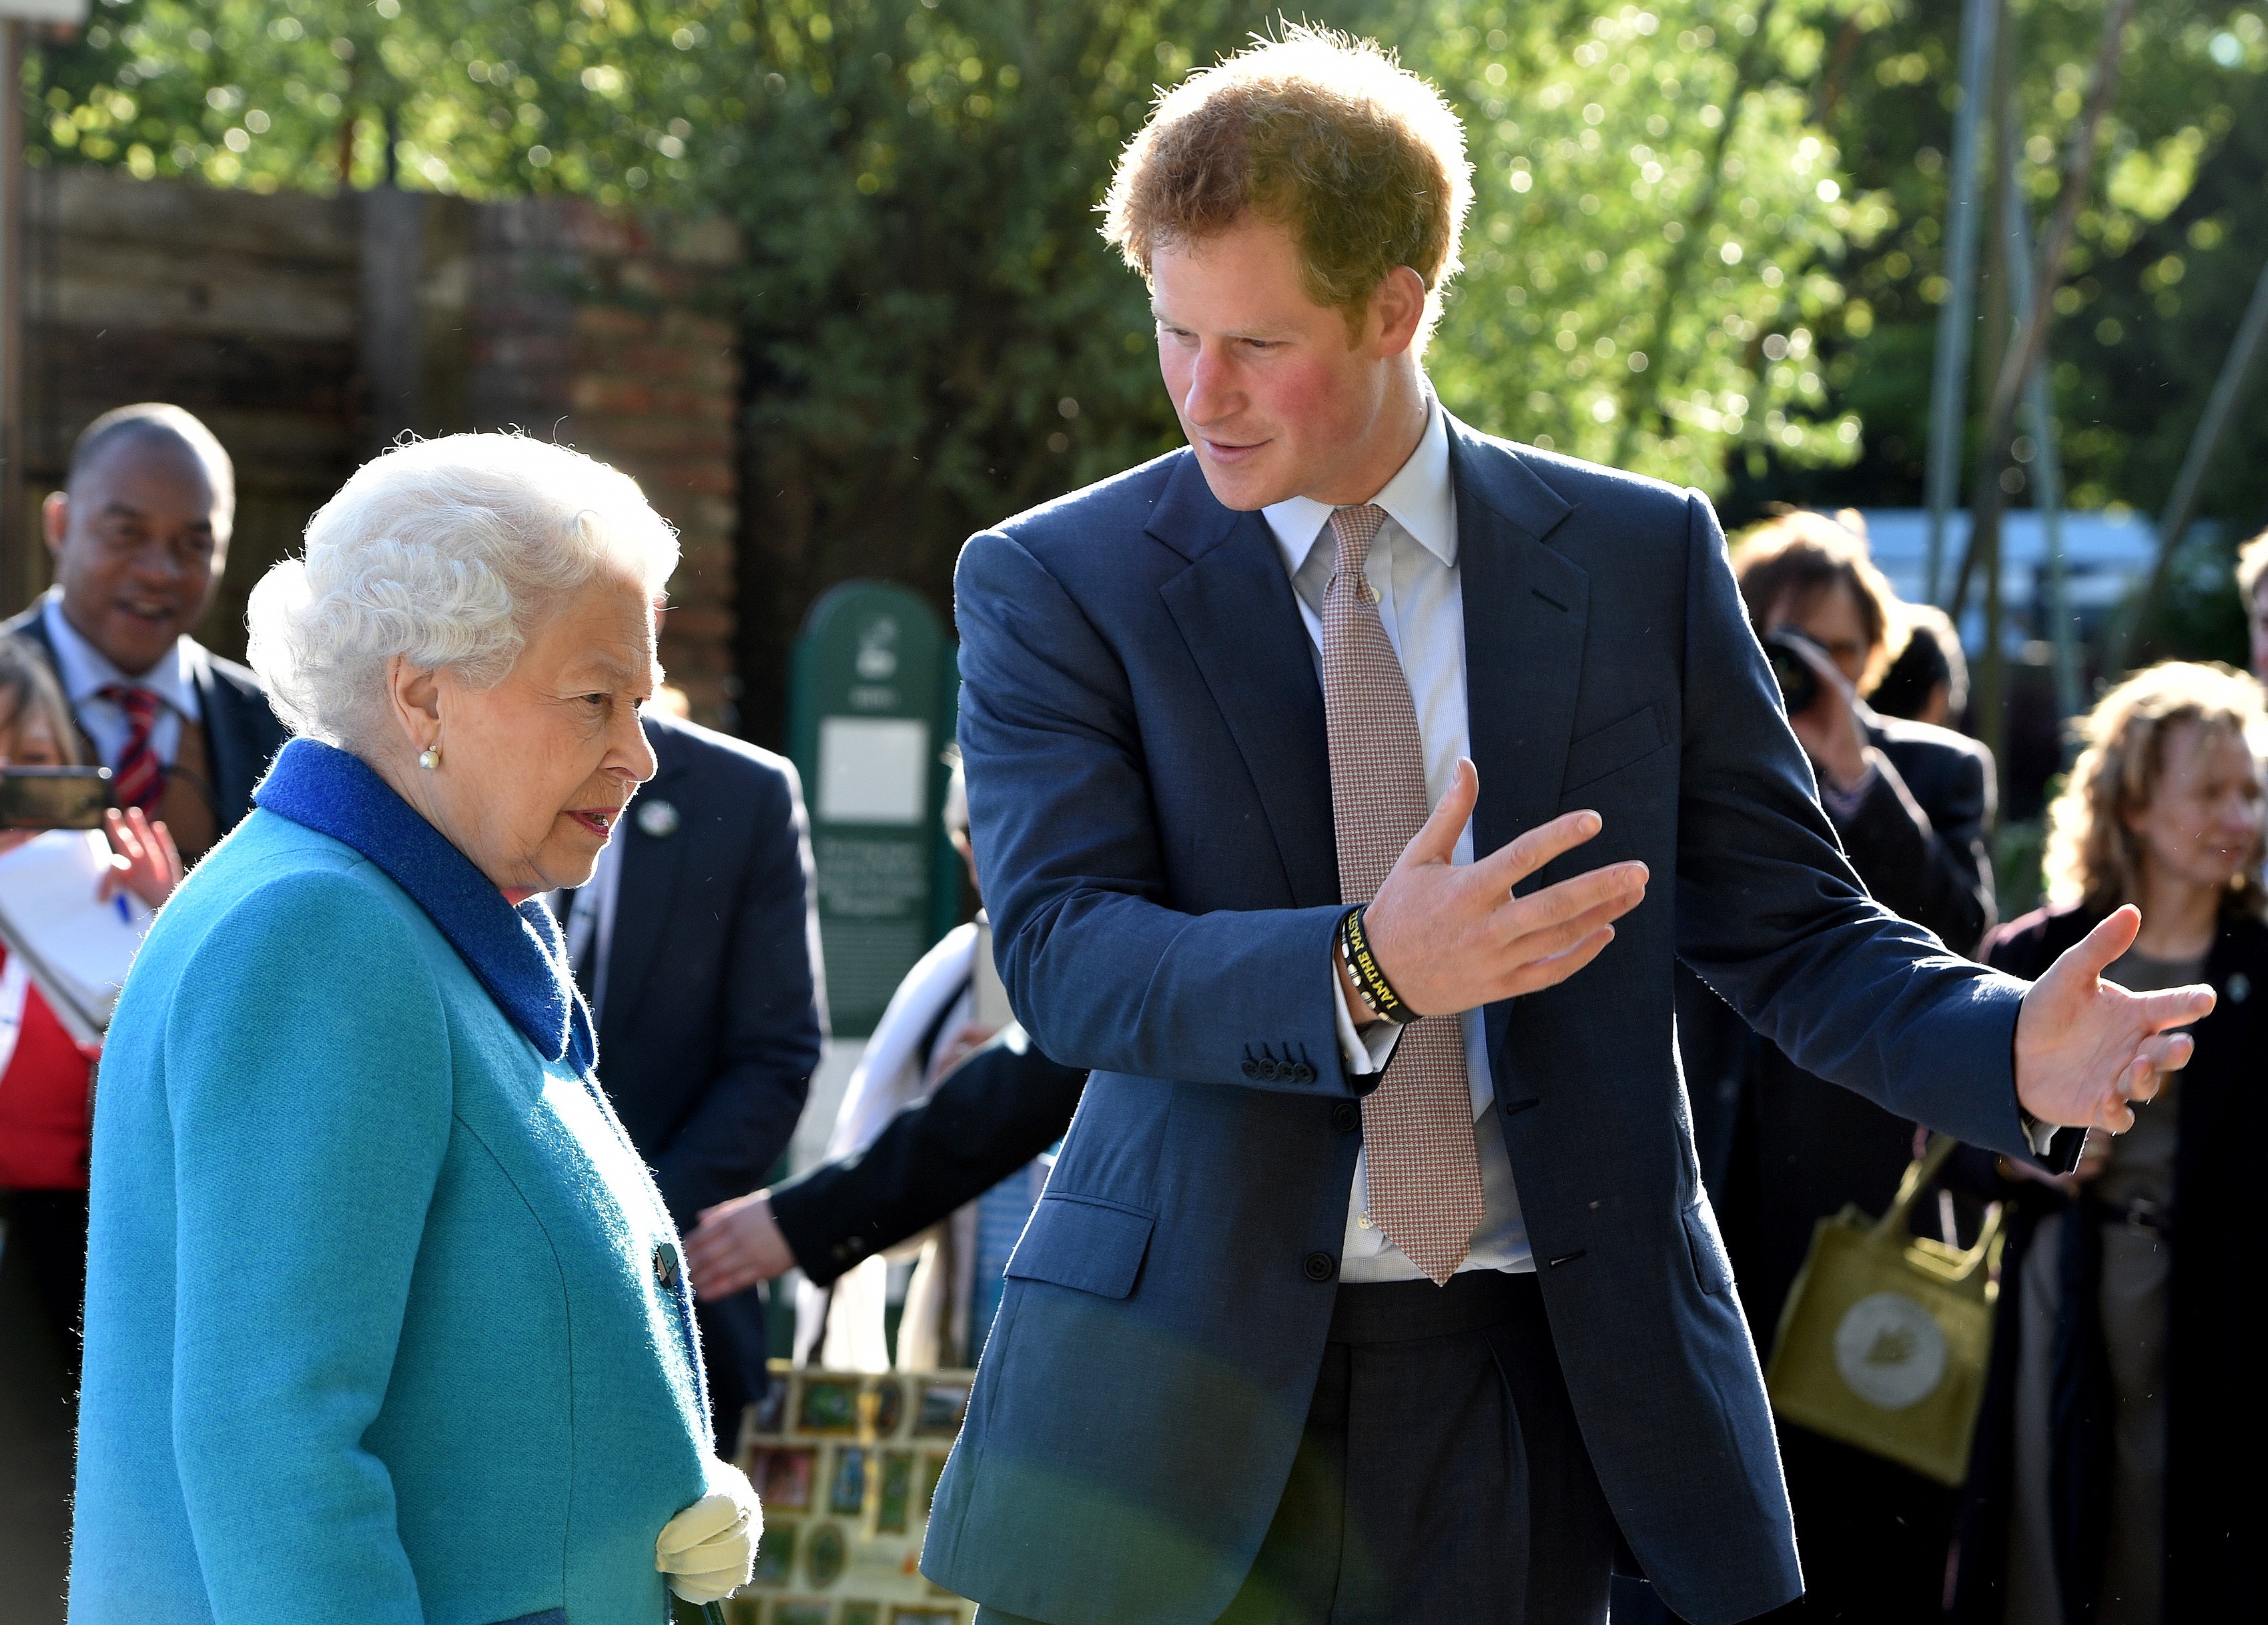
1886, 1337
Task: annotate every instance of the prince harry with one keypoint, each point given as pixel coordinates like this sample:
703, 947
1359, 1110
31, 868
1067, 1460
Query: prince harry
1345, 784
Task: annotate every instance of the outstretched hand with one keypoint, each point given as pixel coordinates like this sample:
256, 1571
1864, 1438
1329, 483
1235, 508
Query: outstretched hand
737, 1244
2087, 1049
1451, 938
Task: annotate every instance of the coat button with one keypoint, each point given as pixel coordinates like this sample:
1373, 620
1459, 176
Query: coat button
664, 1266
1346, 1116
1322, 1266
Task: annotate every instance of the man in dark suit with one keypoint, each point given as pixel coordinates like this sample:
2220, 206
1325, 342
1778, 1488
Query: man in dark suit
696, 945
139, 535
1781, 1149
1295, 1334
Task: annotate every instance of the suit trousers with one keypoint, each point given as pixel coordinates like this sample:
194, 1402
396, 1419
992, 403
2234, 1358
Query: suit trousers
1440, 1476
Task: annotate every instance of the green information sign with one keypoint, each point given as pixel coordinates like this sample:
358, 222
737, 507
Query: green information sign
870, 712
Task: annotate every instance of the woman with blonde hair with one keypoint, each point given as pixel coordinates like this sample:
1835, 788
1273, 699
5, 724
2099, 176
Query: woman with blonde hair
2118, 1405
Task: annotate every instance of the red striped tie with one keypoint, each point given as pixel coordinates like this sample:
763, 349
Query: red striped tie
139, 779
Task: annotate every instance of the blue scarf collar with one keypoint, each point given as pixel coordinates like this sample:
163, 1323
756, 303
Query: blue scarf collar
517, 953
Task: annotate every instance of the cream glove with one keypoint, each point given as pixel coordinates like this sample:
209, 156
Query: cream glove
708, 1550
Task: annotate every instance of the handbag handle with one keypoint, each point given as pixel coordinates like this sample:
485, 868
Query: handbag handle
1920, 1174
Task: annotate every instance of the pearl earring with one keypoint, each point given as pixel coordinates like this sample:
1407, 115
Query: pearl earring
429, 758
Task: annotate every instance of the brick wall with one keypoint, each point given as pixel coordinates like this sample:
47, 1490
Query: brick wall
606, 331
239, 307
309, 332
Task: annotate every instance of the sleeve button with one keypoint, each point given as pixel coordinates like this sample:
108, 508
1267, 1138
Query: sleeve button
1321, 1266
1251, 1068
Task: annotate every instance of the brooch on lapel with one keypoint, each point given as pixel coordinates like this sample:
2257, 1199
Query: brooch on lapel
658, 819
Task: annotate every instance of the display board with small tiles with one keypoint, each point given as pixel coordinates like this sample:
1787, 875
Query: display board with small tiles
846, 1464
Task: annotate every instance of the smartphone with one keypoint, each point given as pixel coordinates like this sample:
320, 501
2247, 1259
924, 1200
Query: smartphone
53, 798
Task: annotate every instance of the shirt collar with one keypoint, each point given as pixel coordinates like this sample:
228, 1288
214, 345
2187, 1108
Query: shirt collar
85, 671
517, 953
1420, 498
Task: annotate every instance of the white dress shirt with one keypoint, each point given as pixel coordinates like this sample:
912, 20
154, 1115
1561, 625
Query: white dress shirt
1413, 568
589, 921
84, 672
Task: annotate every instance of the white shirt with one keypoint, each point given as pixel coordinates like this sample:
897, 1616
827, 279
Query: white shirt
590, 921
84, 672
1412, 567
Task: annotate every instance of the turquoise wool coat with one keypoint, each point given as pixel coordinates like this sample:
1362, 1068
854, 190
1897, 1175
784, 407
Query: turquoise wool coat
386, 1321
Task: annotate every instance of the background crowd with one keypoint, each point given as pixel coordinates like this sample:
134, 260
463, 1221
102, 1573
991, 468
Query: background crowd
1773, 348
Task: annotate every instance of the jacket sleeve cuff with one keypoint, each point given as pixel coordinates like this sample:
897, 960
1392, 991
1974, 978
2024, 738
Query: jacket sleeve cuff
1364, 1054
798, 1210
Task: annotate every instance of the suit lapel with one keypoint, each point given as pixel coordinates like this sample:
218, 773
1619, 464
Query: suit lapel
1525, 612
1235, 607
647, 887
224, 746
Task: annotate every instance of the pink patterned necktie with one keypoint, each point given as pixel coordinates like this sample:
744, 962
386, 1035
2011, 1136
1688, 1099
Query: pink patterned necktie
1417, 1125
139, 779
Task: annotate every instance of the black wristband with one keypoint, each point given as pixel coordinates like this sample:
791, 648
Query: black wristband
1369, 980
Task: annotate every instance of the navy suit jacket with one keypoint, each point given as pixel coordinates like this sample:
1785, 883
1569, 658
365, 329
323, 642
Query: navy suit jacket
1150, 790
713, 1015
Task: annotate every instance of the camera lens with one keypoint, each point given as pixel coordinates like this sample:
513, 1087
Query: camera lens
1798, 684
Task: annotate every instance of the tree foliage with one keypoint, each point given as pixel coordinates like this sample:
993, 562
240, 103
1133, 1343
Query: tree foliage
609, 99
1656, 232
1706, 244
2170, 243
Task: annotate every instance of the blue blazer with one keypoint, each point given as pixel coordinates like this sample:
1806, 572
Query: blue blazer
1150, 790
385, 1320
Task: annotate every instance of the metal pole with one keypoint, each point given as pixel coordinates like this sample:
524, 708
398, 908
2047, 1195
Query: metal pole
2047, 463
2181, 508
1948, 388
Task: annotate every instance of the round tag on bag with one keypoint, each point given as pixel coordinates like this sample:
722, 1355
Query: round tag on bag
1890, 1350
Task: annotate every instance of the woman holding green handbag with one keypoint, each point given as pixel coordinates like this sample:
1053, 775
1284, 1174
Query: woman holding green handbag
2118, 1405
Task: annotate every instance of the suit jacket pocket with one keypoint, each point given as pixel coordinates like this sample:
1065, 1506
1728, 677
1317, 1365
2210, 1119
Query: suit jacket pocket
1611, 748
1084, 1243
1711, 1267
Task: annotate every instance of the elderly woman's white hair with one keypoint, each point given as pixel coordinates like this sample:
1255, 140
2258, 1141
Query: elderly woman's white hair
448, 552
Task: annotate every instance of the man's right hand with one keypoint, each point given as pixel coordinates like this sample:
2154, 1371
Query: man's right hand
1451, 938
737, 1244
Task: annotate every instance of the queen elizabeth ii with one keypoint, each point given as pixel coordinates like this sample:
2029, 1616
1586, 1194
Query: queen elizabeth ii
385, 1320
